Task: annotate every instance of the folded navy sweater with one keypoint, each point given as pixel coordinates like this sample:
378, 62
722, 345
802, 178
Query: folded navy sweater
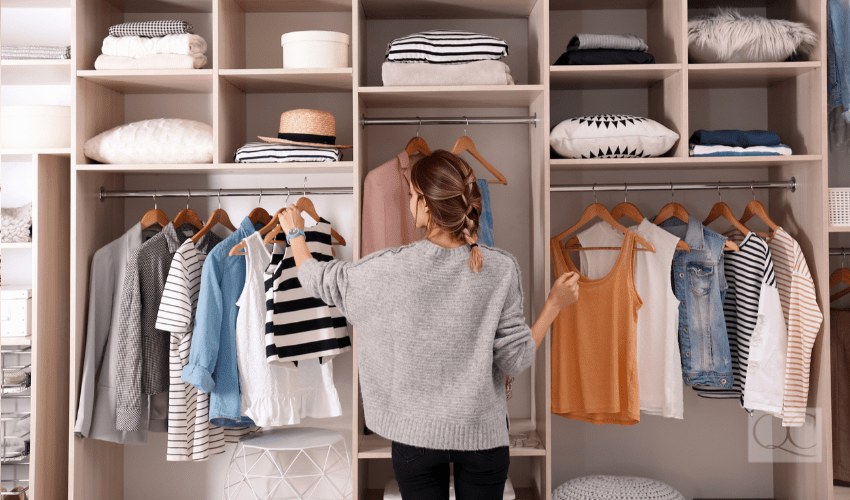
739, 138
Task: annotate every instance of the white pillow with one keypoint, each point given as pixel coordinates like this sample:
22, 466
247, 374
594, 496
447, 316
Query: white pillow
164, 140
726, 36
15, 224
611, 136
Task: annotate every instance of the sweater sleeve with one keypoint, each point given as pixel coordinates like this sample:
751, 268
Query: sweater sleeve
513, 347
328, 281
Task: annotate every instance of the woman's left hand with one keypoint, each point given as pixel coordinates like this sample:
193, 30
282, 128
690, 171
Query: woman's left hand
291, 217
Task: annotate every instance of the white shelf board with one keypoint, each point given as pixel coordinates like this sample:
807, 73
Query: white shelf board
474, 96
278, 80
15, 340
600, 4
153, 81
294, 5
35, 72
839, 229
26, 154
680, 163
447, 9
746, 75
610, 76
15, 245
341, 167
37, 4
163, 6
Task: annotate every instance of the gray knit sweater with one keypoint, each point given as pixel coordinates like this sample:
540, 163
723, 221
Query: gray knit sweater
434, 340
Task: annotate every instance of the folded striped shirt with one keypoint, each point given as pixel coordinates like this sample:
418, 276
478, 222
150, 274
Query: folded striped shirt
720, 150
446, 47
35, 52
151, 29
268, 152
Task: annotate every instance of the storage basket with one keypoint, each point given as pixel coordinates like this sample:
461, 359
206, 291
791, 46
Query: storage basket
31, 127
315, 49
839, 206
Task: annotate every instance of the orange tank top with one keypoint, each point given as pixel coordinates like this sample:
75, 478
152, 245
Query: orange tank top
594, 344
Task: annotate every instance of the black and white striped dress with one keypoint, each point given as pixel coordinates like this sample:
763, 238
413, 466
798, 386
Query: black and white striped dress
446, 47
745, 271
299, 326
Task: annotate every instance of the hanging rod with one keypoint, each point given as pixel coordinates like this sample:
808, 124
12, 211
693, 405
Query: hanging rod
791, 184
452, 120
839, 251
212, 193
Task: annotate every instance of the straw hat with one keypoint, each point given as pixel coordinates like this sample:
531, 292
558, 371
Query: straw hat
307, 127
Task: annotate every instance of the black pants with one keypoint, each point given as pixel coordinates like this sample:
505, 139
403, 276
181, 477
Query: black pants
423, 474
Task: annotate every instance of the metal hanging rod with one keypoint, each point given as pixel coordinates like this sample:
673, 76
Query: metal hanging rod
791, 184
212, 193
839, 251
452, 120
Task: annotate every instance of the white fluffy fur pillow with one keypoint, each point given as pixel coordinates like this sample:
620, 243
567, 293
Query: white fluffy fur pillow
15, 224
726, 36
153, 141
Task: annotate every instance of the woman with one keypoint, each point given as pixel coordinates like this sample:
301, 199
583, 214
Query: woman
439, 324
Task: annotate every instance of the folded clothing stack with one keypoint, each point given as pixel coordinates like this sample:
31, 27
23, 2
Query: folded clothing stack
16, 441
446, 57
266, 152
737, 143
589, 48
152, 45
35, 52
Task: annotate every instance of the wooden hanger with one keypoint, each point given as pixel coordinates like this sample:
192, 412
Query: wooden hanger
188, 215
626, 209
755, 208
239, 248
721, 209
154, 216
417, 144
304, 204
259, 214
838, 277
465, 144
218, 216
599, 210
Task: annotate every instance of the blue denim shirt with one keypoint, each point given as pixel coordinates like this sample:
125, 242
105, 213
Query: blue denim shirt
212, 359
485, 221
700, 286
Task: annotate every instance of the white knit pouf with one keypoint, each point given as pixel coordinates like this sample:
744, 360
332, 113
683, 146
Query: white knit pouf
615, 488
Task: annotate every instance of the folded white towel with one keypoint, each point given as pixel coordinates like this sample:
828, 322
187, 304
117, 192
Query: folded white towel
13, 446
475, 73
135, 46
156, 61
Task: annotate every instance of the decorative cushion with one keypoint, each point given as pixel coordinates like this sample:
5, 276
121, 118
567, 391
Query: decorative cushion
446, 47
15, 224
611, 136
726, 36
153, 141
615, 488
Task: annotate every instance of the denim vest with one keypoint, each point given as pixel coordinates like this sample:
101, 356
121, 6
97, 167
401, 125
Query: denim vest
700, 286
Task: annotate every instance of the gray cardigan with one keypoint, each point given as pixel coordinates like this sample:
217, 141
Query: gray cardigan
434, 340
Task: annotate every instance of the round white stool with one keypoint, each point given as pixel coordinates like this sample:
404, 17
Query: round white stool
299, 462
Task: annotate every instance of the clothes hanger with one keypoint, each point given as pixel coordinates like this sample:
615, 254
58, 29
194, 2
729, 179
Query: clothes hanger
598, 210
304, 204
755, 208
839, 276
465, 144
188, 215
671, 210
259, 214
154, 216
626, 209
239, 247
218, 216
417, 144
721, 209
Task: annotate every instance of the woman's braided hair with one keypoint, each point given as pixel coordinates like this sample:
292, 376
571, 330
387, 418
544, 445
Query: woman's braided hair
448, 185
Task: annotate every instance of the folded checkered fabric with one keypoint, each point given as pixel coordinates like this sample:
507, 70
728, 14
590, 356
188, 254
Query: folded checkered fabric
35, 52
151, 29
266, 152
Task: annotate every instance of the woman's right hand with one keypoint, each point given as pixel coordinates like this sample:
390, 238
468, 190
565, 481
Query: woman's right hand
564, 291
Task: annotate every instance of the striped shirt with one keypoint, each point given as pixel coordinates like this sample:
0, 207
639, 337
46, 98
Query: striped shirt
299, 326
446, 47
190, 434
803, 318
267, 152
745, 271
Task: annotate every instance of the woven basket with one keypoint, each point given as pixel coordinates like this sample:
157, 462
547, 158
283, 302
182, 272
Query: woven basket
839, 206
615, 488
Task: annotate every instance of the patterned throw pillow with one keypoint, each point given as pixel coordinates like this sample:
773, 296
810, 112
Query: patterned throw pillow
611, 136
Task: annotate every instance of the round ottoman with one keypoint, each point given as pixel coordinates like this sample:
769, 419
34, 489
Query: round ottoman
615, 488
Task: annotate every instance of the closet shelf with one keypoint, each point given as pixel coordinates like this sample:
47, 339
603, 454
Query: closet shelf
294, 6
38, 4
841, 493
341, 167
16, 341
25, 154
277, 80
442, 9
160, 81
476, 96
681, 162
599, 4
610, 76
163, 6
15, 245
839, 229
746, 75
36, 72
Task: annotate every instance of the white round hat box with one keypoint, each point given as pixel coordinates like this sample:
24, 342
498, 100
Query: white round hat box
315, 49
30, 127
